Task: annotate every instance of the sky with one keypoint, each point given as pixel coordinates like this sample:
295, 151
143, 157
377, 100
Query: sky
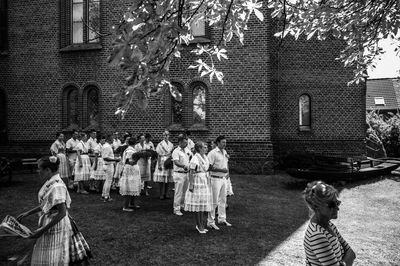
389, 64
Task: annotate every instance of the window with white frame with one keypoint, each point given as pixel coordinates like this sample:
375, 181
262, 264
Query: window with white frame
379, 101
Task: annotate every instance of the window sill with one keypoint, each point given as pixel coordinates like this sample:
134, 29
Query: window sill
82, 47
200, 39
176, 127
198, 127
304, 129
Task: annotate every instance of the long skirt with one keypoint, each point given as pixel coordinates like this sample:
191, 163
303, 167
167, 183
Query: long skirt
144, 166
130, 182
163, 175
63, 169
82, 173
98, 173
52, 248
200, 199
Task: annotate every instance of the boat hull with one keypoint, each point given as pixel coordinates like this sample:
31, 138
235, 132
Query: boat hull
347, 174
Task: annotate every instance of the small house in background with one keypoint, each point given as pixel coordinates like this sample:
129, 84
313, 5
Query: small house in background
383, 95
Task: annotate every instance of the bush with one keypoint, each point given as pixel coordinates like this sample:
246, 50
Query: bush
383, 133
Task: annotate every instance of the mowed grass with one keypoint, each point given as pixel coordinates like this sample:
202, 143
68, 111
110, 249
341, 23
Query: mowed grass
267, 213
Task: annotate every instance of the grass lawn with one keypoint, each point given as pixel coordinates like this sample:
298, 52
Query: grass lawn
267, 213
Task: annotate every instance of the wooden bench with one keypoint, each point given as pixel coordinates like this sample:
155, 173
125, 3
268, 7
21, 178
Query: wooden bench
30, 163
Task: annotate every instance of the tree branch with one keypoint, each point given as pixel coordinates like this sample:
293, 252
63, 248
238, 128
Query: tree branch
225, 20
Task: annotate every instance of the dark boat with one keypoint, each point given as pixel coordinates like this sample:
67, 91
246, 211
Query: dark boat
351, 171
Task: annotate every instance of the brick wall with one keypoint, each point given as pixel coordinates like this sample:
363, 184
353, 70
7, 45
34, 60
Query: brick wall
256, 108
337, 111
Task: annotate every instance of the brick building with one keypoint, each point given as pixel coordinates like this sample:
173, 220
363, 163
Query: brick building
383, 95
276, 99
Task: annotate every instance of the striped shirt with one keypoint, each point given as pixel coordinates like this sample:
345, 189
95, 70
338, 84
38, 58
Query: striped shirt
322, 248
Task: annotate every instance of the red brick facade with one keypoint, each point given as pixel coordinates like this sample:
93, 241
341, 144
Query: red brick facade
256, 108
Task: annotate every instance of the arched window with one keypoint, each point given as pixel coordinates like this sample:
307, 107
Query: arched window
199, 104
91, 114
304, 112
177, 106
3, 118
70, 118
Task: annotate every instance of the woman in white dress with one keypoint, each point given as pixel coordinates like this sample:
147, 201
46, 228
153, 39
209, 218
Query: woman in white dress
130, 182
58, 149
198, 197
97, 171
82, 165
163, 175
143, 163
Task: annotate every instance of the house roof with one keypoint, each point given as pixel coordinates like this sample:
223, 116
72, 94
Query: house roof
388, 89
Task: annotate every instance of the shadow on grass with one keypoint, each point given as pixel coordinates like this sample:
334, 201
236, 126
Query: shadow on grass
263, 211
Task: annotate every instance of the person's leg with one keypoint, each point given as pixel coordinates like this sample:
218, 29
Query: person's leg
126, 202
222, 201
133, 203
198, 221
179, 182
214, 197
81, 187
205, 214
107, 183
184, 189
166, 190
161, 187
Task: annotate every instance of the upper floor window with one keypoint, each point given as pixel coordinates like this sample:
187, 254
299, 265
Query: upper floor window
200, 31
3, 26
199, 104
80, 24
304, 112
85, 21
198, 28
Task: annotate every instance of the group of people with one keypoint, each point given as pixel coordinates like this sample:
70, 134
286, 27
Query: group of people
201, 187
201, 181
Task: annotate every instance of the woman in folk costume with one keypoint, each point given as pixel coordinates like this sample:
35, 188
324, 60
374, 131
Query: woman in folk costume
97, 171
82, 165
120, 165
55, 231
162, 175
153, 160
143, 163
198, 197
130, 182
58, 149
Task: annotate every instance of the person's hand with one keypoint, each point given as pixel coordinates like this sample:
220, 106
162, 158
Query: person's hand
191, 187
80, 164
36, 234
22, 215
185, 168
224, 170
160, 167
